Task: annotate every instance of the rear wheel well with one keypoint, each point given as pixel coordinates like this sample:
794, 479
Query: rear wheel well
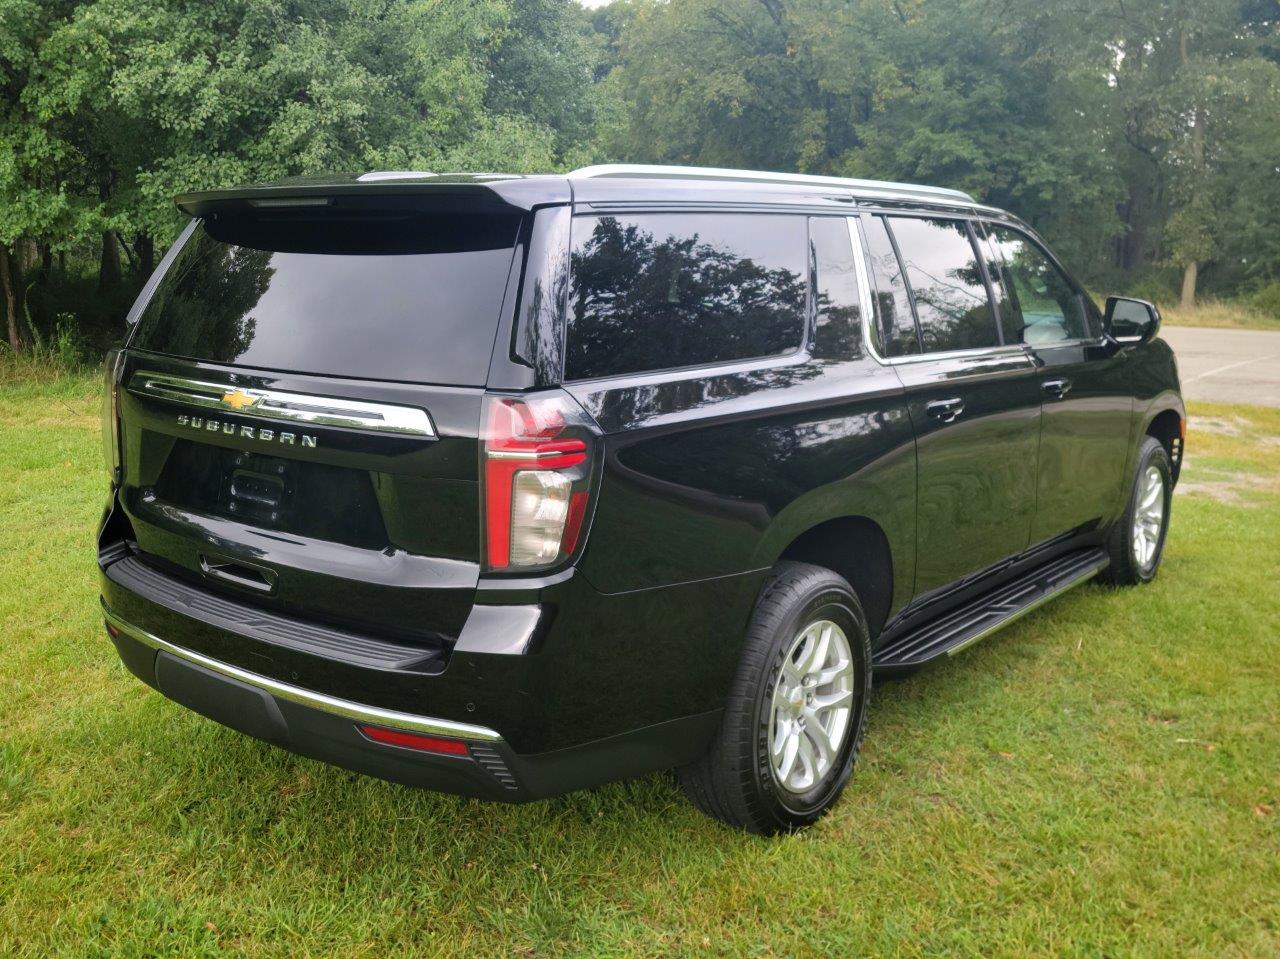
1167, 428
857, 549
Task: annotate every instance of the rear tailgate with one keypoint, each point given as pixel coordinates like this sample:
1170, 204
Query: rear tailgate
300, 409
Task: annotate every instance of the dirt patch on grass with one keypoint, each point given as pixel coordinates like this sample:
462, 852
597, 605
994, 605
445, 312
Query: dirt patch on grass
1221, 425
1232, 487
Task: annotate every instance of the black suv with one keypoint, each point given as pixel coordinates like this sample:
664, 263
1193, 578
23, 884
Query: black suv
508, 486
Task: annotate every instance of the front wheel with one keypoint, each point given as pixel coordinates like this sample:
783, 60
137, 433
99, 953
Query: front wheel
796, 712
1136, 543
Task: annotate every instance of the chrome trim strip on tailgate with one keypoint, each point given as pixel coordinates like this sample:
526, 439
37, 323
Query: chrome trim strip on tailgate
345, 708
279, 405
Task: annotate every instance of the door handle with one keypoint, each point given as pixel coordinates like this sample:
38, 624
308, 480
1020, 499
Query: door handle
1056, 388
945, 411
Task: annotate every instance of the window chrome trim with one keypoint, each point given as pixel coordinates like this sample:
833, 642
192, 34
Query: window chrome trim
281, 405
860, 265
343, 708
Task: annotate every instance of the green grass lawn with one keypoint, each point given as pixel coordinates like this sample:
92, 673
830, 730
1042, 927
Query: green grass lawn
1101, 779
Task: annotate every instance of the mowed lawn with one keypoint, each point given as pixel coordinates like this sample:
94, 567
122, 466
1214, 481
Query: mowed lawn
1101, 779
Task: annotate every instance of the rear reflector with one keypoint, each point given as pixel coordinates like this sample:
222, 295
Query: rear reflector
112, 631
425, 744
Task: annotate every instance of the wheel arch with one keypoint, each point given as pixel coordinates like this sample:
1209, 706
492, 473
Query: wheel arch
1168, 426
856, 548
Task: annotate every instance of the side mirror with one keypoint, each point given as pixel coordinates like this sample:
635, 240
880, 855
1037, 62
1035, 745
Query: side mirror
1130, 322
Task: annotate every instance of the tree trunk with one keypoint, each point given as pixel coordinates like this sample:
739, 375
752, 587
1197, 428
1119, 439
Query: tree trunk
109, 264
12, 307
146, 248
1189, 286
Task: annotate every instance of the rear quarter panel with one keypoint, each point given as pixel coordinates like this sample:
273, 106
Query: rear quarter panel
715, 473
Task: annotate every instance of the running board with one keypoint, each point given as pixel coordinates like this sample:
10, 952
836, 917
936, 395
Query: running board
975, 621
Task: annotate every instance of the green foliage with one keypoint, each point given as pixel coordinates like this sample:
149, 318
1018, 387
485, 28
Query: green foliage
1137, 139
1267, 300
1131, 136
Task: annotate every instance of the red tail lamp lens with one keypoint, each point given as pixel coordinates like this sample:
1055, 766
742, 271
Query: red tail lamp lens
535, 481
424, 744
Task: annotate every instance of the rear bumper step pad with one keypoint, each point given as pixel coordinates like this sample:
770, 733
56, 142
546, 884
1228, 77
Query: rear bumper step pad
313, 639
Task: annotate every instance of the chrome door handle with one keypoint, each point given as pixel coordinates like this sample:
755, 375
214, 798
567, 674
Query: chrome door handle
945, 410
1056, 388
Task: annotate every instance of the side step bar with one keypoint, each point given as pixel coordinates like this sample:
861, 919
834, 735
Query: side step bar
978, 619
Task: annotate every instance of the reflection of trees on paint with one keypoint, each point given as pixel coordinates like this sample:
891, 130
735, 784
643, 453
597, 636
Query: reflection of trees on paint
641, 303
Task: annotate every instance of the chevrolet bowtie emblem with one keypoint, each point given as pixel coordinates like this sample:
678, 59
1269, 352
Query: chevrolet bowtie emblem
240, 399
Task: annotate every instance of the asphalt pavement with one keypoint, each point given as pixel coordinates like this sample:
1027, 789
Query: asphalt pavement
1227, 366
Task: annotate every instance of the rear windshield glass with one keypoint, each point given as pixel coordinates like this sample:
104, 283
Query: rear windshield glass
406, 296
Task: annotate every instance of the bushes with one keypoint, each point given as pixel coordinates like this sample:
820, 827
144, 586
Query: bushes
1267, 300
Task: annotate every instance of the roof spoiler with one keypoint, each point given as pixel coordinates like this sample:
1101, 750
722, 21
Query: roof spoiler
496, 192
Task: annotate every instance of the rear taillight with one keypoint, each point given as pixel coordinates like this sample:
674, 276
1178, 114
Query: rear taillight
112, 451
537, 477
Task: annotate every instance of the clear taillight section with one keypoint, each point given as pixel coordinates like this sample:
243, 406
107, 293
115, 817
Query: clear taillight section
111, 448
537, 477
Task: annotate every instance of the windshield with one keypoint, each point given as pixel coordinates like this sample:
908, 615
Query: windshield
405, 296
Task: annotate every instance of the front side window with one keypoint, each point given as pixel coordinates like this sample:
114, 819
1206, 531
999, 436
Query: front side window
1044, 306
655, 291
947, 285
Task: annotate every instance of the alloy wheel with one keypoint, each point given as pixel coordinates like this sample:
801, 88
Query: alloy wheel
1148, 517
811, 707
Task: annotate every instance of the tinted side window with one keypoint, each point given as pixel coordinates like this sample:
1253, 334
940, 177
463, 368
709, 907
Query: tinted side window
1045, 307
947, 287
896, 324
661, 290
835, 282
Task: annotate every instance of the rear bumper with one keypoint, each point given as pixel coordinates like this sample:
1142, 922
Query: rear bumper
327, 728
602, 687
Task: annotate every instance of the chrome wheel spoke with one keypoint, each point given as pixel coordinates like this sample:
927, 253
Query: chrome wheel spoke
831, 673
787, 761
829, 700
809, 763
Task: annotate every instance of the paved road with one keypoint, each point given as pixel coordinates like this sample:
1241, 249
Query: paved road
1227, 366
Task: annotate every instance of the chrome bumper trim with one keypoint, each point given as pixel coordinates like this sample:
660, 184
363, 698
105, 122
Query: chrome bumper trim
345, 708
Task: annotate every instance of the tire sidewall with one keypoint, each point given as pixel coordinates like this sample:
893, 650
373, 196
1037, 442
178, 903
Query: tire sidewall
836, 603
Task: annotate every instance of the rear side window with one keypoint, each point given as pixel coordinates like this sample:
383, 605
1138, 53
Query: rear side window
896, 331
947, 285
656, 291
1044, 306
838, 300
410, 296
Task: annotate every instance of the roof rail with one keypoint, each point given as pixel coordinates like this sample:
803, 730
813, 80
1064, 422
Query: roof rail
648, 171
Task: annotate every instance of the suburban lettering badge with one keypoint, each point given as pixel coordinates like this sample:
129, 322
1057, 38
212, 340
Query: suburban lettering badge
248, 432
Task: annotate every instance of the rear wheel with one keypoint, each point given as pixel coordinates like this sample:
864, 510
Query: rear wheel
1136, 542
796, 712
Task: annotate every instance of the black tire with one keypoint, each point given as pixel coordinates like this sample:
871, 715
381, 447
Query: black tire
1127, 568
735, 781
